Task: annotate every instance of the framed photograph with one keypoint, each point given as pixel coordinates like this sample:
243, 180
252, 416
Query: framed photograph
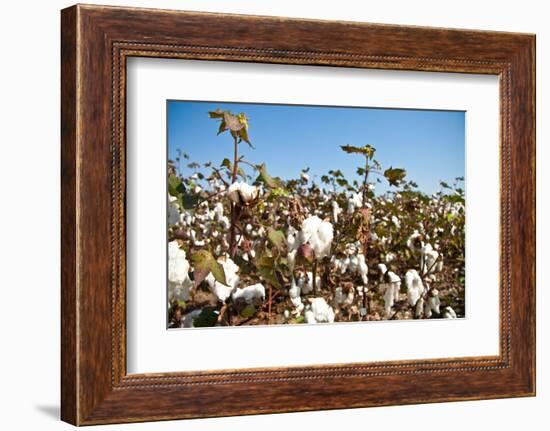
323, 214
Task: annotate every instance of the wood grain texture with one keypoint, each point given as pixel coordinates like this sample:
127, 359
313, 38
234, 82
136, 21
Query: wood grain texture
96, 41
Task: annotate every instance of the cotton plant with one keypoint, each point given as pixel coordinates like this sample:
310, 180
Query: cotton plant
258, 249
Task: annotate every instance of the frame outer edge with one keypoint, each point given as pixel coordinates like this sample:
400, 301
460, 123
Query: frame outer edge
69, 332
86, 396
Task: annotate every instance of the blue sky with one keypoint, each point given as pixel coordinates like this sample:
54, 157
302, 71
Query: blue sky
430, 145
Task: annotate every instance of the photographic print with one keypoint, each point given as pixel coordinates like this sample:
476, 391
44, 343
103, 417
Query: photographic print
297, 214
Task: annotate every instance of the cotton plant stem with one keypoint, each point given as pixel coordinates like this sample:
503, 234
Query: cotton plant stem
232, 235
365, 301
314, 274
270, 300
365, 185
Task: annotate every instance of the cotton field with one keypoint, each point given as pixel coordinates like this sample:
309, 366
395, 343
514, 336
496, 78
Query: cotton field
248, 248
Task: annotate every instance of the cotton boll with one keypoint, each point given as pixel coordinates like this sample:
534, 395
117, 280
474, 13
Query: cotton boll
178, 266
225, 223
354, 263
309, 316
395, 221
363, 269
382, 269
250, 293
294, 294
318, 234
173, 210
419, 307
189, 318
188, 219
336, 210
307, 287
354, 201
291, 259
449, 313
428, 259
242, 193
319, 311
389, 298
232, 279
414, 242
292, 238
415, 287
337, 263
294, 291
434, 301
345, 265
218, 211
343, 296
179, 283
304, 176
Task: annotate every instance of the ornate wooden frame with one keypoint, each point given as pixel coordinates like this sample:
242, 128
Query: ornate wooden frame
95, 43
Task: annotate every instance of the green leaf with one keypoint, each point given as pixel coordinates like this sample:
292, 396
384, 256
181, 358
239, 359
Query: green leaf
279, 193
248, 311
208, 317
342, 182
204, 264
218, 272
226, 164
395, 175
300, 319
266, 267
276, 237
188, 201
175, 185
222, 128
218, 113
366, 150
267, 179
243, 134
